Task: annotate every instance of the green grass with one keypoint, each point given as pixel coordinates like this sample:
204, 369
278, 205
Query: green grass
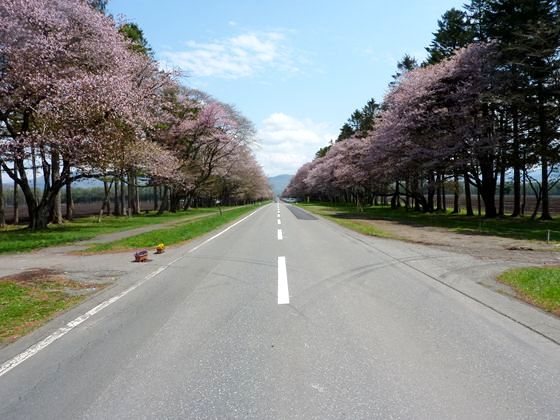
26, 304
537, 285
353, 224
173, 235
21, 240
516, 228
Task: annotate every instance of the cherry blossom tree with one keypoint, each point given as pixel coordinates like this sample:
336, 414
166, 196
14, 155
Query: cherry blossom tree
205, 135
296, 187
435, 120
73, 96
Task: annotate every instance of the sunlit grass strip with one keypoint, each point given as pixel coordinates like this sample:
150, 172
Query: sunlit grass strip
22, 240
361, 227
356, 225
515, 228
537, 285
175, 234
26, 305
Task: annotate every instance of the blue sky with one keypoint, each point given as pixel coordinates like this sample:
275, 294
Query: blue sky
297, 69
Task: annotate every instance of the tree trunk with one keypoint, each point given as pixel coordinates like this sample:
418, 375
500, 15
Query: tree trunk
2, 207
39, 219
468, 197
164, 206
501, 205
524, 202
417, 192
538, 197
122, 208
431, 192
155, 191
407, 199
131, 202
395, 201
456, 208
116, 207
545, 214
106, 200
137, 195
40, 214
173, 201
188, 201
439, 206
34, 165
487, 187
16, 199
443, 198
55, 175
69, 202
516, 165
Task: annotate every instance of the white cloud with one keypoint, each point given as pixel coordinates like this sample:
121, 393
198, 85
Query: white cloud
239, 56
286, 142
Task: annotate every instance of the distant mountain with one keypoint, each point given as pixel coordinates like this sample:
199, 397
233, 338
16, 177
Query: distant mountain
279, 183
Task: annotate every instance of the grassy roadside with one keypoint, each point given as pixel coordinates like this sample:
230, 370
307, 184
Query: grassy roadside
30, 299
517, 228
539, 286
348, 222
333, 213
174, 235
21, 240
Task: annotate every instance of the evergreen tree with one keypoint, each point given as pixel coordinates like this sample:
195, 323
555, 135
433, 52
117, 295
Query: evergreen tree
360, 122
527, 34
345, 132
322, 151
454, 31
406, 64
135, 35
100, 5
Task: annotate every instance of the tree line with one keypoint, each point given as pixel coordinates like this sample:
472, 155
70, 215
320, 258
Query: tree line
81, 96
482, 110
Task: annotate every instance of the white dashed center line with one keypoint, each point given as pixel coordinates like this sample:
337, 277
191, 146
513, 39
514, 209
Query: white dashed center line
283, 293
279, 221
280, 234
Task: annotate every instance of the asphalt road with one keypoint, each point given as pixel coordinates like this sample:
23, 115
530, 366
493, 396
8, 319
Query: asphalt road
315, 322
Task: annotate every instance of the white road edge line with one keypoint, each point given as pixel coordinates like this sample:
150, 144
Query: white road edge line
283, 293
279, 234
37, 347
34, 349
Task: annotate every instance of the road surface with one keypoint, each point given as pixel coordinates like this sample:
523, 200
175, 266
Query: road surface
287, 316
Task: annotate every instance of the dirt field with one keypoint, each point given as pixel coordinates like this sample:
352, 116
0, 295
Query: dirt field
80, 209
478, 245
